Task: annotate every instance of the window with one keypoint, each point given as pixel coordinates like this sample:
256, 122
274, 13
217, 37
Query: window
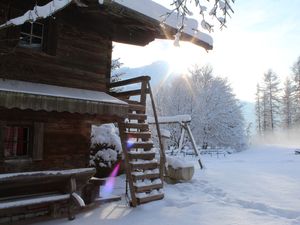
17, 142
32, 35
24, 140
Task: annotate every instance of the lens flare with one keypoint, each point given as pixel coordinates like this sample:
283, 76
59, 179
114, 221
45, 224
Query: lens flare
110, 182
130, 143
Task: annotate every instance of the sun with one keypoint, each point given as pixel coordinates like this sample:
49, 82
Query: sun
181, 59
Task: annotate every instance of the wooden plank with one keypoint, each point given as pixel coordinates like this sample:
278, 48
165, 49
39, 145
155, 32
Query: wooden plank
137, 107
127, 93
144, 166
145, 156
145, 145
137, 116
38, 141
145, 176
150, 198
130, 81
148, 188
141, 135
142, 126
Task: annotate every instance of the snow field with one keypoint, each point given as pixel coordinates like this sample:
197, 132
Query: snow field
258, 186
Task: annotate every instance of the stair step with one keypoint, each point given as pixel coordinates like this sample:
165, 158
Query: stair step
144, 155
145, 176
142, 126
141, 135
137, 107
142, 200
145, 145
136, 116
148, 188
144, 165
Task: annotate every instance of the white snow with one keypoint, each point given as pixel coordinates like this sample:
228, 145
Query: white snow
44, 199
46, 172
176, 162
146, 182
78, 199
165, 133
258, 186
142, 161
56, 91
38, 12
170, 119
157, 12
105, 134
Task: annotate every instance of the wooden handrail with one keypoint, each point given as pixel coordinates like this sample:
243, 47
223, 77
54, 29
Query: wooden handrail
129, 81
128, 93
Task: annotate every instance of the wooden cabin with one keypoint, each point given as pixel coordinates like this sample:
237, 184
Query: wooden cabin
55, 77
55, 82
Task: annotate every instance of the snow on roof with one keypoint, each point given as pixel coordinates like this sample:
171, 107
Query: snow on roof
47, 172
157, 12
57, 91
38, 12
171, 119
146, 7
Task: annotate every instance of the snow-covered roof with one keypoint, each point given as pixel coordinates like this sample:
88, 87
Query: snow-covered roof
157, 12
37, 96
147, 8
57, 91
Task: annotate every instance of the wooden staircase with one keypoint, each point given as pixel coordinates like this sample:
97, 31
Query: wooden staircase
144, 171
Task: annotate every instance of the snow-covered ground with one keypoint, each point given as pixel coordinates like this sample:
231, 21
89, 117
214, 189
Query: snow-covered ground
257, 186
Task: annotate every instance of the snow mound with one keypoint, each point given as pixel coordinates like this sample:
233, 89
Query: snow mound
178, 162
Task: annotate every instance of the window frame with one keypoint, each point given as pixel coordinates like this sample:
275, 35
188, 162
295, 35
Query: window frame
29, 141
31, 35
36, 140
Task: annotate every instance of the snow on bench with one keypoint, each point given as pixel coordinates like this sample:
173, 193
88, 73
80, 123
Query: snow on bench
33, 201
18, 190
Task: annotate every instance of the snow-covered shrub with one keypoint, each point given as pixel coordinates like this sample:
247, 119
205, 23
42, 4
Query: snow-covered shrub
105, 148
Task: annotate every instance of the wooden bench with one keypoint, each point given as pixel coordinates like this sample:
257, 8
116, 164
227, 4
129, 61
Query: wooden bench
29, 194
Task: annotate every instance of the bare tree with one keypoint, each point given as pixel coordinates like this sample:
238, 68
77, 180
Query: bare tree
287, 104
258, 110
219, 10
296, 78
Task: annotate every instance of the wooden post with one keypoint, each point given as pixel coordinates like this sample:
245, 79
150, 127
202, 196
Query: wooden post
143, 92
181, 138
193, 143
163, 168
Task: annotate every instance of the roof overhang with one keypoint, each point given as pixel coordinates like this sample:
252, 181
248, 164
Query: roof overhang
149, 15
51, 98
135, 22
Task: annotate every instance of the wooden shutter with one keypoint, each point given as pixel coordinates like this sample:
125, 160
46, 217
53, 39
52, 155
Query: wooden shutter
1, 140
38, 141
50, 36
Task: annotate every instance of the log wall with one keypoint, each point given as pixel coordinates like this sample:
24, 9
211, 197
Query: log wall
66, 142
71, 56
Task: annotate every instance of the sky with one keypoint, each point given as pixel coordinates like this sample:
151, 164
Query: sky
261, 35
